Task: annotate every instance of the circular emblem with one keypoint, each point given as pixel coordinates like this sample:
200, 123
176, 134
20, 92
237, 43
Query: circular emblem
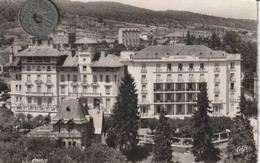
38, 17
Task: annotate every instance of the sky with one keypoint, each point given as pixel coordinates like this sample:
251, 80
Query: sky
240, 9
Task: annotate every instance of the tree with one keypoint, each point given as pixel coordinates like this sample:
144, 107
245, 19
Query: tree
215, 42
162, 140
125, 118
241, 146
188, 39
202, 133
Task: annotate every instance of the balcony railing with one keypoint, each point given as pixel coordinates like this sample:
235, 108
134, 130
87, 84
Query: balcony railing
216, 69
202, 80
144, 81
40, 93
191, 80
202, 69
144, 91
180, 69
158, 69
180, 80
143, 70
217, 101
169, 80
217, 80
49, 82
232, 79
216, 90
191, 69
232, 89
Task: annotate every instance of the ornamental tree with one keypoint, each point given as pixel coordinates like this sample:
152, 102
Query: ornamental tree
162, 141
125, 118
201, 129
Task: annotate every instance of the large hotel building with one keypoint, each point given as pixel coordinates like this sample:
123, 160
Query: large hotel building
167, 77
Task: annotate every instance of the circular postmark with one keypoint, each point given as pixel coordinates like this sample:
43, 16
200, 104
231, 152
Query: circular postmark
38, 17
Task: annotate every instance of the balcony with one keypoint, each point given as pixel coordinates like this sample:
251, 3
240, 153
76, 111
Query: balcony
232, 79
84, 83
216, 90
158, 80
180, 80
217, 101
49, 82
39, 93
158, 70
28, 82
74, 83
191, 80
232, 100
216, 69
144, 81
217, 80
143, 70
144, 91
94, 83
36, 108
202, 80
38, 81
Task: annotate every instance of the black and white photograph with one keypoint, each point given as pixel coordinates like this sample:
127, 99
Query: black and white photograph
129, 81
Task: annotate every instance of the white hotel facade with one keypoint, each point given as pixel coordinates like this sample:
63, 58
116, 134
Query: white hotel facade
166, 77
169, 77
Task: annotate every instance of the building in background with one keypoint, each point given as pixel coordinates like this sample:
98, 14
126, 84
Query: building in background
169, 77
129, 36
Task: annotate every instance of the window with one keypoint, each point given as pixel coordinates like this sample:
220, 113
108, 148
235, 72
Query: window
107, 79
232, 76
169, 77
143, 66
190, 76
180, 66
20, 87
16, 76
216, 86
216, 65
28, 68
158, 65
232, 65
94, 89
68, 76
38, 77
191, 66
38, 68
108, 103
158, 77
75, 89
144, 98
75, 78
17, 99
232, 86
62, 89
179, 76
169, 67
101, 78
29, 59
84, 78
62, 78
29, 88
84, 68
94, 78
16, 87
216, 76
49, 101
115, 78
48, 78
48, 68
85, 89
201, 76
216, 97
39, 88
29, 100
39, 102
201, 66
108, 90
49, 89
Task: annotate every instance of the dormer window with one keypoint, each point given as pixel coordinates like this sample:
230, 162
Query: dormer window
68, 109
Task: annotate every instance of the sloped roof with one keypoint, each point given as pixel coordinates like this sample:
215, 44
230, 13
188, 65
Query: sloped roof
19, 43
97, 116
41, 51
72, 110
176, 34
177, 50
4, 57
42, 132
86, 40
110, 60
16, 62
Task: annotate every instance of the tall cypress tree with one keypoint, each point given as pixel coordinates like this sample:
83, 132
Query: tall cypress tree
125, 118
202, 133
188, 39
162, 141
241, 146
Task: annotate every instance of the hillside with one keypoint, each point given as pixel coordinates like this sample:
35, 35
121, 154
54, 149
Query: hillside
123, 13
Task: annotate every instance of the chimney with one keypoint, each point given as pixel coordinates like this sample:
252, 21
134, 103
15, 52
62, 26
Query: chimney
103, 54
11, 57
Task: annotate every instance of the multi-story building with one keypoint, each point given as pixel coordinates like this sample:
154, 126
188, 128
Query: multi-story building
169, 77
129, 36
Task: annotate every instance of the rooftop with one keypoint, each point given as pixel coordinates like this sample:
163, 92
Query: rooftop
72, 110
4, 57
86, 40
41, 51
110, 60
155, 52
42, 132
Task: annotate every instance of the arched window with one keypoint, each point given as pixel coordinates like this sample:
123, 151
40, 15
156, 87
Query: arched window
74, 144
69, 144
68, 109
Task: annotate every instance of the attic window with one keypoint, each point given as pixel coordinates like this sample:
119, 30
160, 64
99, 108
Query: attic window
167, 53
68, 109
156, 54
177, 53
